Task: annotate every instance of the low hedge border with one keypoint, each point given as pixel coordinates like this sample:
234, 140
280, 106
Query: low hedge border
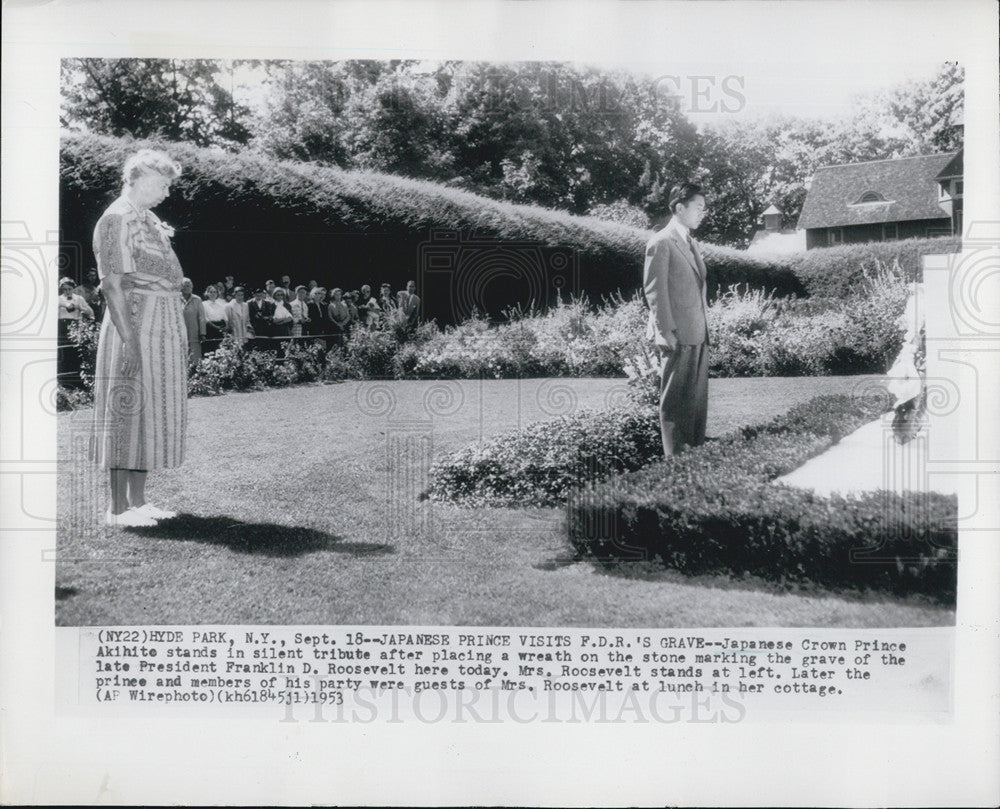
537, 465
714, 509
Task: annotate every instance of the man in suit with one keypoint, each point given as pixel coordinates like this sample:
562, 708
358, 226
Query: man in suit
410, 304
194, 319
674, 282
261, 315
319, 316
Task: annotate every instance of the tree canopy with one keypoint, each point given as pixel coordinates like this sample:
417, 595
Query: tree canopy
574, 138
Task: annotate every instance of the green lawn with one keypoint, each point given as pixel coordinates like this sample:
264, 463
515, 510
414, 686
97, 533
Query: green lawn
300, 506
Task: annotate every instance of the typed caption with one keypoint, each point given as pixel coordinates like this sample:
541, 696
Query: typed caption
363, 673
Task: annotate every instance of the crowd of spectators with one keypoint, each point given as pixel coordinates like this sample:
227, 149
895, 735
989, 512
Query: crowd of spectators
262, 319
278, 312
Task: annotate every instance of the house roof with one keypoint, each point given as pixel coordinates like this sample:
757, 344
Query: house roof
771, 209
954, 167
908, 188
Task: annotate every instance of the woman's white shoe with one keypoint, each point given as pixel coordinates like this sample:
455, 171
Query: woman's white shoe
130, 518
154, 512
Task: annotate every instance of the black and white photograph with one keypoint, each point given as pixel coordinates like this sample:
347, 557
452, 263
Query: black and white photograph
507, 344
413, 403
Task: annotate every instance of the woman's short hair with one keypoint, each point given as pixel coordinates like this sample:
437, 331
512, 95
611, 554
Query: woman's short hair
279, 291
240, 289
211, 288
682, 193
336, 290
150, 161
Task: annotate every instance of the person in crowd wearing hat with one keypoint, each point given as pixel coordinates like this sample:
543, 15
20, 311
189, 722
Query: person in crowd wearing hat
238, 316
299, 308
281, 319
261, 317
227, 288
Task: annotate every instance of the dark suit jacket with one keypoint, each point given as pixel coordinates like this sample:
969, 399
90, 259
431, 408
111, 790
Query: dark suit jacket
260, 316
674, 282
319, 317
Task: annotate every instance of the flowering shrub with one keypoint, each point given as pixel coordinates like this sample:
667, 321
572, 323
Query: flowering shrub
570, 339
872, 337
372, 353
714, 509
752, 334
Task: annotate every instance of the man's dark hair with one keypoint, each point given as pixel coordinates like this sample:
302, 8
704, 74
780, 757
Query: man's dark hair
683, 192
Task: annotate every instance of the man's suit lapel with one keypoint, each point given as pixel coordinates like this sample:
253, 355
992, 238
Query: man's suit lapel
688, 255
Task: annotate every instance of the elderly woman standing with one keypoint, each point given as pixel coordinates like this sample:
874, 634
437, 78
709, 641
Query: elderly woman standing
140, 386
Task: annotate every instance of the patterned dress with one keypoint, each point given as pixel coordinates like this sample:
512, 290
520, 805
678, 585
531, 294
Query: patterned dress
140, 421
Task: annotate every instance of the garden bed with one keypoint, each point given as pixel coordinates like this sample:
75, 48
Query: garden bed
715, 509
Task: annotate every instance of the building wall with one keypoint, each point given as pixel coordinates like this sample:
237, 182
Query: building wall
856, 234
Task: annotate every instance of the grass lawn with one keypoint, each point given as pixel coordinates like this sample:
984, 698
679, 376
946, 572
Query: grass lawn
300, 506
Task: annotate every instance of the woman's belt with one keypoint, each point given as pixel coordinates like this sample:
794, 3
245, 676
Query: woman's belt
159, 292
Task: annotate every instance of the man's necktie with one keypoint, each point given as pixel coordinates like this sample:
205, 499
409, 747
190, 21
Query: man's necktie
694, 255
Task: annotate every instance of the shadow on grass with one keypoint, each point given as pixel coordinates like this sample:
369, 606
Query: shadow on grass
261, 539
655, 571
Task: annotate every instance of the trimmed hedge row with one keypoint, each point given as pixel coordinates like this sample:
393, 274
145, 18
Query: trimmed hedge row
254, 217
714, 509
839, 271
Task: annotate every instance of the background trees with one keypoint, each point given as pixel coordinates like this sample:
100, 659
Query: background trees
563, 136
189, 100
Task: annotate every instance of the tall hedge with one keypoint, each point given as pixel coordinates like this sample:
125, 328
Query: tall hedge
256, 218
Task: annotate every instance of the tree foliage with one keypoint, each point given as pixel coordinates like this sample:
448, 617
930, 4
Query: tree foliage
563, 136
179, 100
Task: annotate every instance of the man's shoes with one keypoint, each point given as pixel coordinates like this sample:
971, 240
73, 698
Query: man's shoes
154, 512
130, 518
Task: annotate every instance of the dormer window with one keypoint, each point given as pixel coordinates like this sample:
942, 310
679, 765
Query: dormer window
871, 196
